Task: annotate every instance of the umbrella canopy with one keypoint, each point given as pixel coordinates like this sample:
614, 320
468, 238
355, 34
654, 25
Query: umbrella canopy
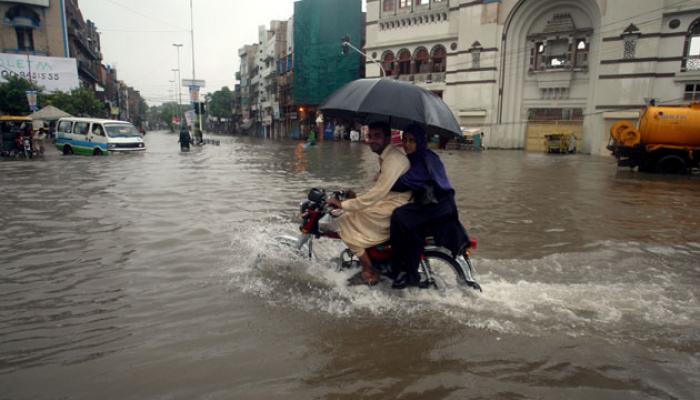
49, 113
396, 102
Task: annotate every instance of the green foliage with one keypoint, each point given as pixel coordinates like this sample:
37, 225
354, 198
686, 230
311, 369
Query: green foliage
13, 96
166, 113
81, 102
221, 104
141, 111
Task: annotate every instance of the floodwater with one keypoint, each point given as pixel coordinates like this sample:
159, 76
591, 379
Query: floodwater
155, 276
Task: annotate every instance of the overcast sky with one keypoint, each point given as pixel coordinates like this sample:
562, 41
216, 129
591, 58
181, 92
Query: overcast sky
137, 38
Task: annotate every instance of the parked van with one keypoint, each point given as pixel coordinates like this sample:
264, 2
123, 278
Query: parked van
96, 136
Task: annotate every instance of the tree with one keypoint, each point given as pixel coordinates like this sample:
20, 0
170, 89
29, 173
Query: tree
13, 96
167, 111
221, 105
140, 112
80, 102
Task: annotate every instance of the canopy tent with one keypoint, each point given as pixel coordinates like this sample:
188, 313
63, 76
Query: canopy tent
49, 113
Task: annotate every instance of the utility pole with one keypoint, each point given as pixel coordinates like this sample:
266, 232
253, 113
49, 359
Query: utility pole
194, 75
179, 81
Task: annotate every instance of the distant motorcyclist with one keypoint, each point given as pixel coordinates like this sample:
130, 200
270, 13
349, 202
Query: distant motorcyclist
185, 138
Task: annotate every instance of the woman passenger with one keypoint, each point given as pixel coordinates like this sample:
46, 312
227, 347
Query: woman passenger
432, 212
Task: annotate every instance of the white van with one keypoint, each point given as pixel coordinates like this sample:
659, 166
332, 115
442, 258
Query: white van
96, 136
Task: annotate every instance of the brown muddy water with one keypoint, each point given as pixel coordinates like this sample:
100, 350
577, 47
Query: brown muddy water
154, 276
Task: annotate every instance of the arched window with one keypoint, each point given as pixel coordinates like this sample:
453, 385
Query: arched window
389, 5
691, 55
421, 60
439, 57
22, 15
388, 62
404, 62
24, 19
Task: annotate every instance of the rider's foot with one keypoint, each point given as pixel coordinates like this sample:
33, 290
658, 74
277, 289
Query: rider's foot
404, 280
361, 278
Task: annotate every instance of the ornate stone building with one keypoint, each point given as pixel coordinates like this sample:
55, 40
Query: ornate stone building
519, 69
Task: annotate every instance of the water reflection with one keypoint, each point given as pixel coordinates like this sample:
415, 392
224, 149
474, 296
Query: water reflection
300, 162
163, 261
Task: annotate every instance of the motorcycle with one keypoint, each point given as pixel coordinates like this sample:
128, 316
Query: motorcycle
27, 147
438, 267
23, 146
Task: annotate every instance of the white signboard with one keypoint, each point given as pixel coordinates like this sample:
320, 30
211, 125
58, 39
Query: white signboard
189, 117
42, 3
52, 73
193, 82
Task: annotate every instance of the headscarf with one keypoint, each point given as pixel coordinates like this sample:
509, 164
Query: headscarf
425, 164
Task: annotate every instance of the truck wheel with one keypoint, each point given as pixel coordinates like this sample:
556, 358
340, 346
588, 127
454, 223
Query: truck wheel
672, 164
67, 150
97, 152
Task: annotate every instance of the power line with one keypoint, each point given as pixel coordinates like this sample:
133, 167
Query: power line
148, 16
140, 31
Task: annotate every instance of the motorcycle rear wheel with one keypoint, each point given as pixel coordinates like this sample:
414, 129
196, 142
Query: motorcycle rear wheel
443, 271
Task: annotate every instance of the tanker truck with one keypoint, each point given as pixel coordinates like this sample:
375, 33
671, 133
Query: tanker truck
667, 140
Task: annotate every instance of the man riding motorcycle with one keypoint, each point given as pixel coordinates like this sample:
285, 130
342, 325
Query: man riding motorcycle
366, 218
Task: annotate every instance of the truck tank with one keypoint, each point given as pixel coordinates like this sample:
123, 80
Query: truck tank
671, 126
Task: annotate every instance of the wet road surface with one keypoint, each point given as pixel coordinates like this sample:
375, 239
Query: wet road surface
155, 275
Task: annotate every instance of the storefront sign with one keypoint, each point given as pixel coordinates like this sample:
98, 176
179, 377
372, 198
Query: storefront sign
51, 73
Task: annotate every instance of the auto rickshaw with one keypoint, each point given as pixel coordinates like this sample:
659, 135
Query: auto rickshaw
11, 129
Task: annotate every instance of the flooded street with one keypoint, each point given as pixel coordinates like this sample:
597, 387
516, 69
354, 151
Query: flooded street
155, 276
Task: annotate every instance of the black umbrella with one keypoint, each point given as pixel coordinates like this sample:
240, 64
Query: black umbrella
396, 102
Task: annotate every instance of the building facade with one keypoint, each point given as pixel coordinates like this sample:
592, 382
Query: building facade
519, 69
248, 94
319, 65
84, 46
33, 27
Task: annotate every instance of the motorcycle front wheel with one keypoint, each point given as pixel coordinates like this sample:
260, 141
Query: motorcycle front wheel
441, 271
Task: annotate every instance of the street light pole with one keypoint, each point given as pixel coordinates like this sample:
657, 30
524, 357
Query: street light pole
179, 81
171, 90
346, 42
194, 75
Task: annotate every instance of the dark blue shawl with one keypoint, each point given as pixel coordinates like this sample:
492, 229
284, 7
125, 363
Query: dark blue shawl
426, 166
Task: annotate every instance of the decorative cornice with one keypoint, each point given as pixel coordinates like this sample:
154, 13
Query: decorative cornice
485, 50
641, 60
472, 70
389, 46
487, 81
682, 12
641, 75
620, 107
646, 35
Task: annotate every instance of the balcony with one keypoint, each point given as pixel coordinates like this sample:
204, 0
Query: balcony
88, 69
85, 43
